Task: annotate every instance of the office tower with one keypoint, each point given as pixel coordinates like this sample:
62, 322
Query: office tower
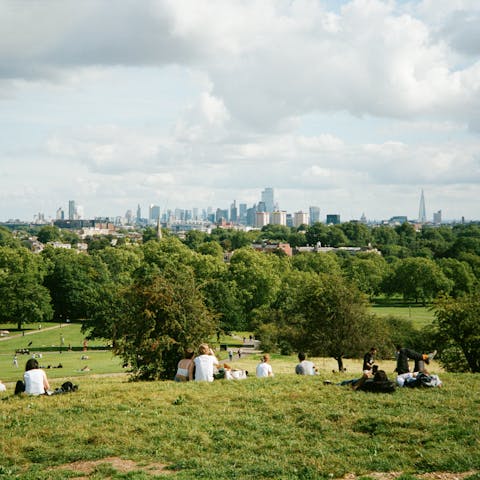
233, 212
333, 219
300, 218
139, 213
267, 199
250, 216
314, 214
60, 215
71, 209
79, 212
279, 218
262, 219
153, 213
242, 213
221, 215
422, 215
261, 207
195, 213
129, 217
437, 218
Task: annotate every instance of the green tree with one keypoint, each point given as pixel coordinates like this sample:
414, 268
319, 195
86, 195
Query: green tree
417, 278
323, 315
459, 273
23, 298
49, 233
74, 281
358, 234
7, 239
163, 315
367, 271
316, 262
257, 276
458, 320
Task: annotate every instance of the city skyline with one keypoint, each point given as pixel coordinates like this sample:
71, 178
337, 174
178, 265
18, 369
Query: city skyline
353, 106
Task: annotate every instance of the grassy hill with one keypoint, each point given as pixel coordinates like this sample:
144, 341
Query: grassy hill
286, 427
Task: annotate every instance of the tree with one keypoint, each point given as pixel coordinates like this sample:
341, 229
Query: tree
74, 281
316, 262
417, 278
357, 233
49, 233
459, 273
257, 276
23, 298
163, 314
458, 320
323, 315
367, 271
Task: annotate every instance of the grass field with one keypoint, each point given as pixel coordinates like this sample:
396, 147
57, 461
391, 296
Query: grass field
286, 427
418, 314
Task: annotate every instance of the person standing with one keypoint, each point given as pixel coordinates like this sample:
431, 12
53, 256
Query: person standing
15, 361
205, 364
264, 369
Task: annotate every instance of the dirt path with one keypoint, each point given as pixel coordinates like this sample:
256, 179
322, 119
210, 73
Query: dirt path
30, 332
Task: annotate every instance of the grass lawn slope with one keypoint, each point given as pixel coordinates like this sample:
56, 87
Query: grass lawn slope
286, 427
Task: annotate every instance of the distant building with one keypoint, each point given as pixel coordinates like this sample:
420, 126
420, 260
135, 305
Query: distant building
268, 199
153, 214
437, 218
233, 212
422, 215
262, 219
314, 213
279, 218
333, 219
300, 218
60, 215
71, 210
272, 247
398, 220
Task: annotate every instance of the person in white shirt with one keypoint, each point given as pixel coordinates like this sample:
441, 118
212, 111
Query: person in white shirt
205, 364
264, 369
36, 382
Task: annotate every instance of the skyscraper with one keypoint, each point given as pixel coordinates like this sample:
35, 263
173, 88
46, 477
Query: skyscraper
267, 199
314, 214
71, 209
422, 215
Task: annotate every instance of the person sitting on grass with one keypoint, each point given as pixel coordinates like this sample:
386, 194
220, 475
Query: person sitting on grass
264, 369
185, 367
205, 364
35, 380
305, 367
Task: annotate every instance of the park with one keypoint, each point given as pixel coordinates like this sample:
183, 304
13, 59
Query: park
115, 320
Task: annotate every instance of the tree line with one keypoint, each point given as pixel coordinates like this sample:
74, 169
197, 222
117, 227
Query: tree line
154, 299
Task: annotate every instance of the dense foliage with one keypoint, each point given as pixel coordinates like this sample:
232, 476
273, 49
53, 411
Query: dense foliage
177, 293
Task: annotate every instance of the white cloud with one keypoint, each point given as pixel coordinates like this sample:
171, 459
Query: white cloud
196, 101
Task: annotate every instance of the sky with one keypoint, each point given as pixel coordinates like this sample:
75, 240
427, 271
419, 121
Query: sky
353, 106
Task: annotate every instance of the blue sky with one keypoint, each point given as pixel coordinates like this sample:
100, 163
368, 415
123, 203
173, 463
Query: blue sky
352, 106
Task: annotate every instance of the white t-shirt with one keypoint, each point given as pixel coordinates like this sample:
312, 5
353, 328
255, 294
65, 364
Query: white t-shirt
264, 369
34, 381
204, 368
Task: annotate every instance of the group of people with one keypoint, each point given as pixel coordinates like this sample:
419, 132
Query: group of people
200, 368
373, 379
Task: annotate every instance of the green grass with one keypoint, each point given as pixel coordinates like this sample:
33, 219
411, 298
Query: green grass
420, 315
286, 427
